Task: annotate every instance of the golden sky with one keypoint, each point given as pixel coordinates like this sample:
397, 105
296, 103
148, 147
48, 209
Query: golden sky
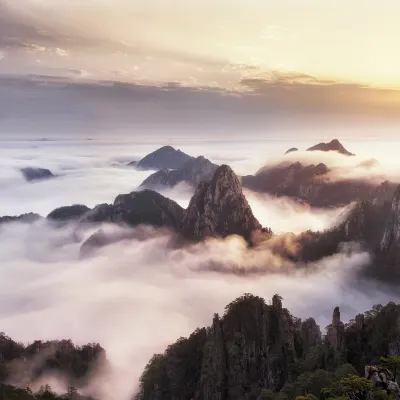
207, 42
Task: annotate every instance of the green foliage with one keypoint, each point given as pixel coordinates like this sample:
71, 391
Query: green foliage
243, 302
175, 373
345, 371
392, 364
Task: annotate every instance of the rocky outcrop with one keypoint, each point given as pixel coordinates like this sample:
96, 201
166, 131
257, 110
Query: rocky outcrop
34, 174
333, 145
249, 348
193, 172
165, 157
252, 342
310, 334
256, 348
335, 333
219, 208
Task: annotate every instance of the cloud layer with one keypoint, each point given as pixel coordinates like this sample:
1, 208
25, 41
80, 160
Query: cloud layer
137, 296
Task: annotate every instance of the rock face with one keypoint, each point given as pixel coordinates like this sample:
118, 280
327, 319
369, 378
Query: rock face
255, 346
310, 334
193, 172
219, 208
335, 334
333, 145
251, 343
164, 158
35, 174
251, 347
390, 243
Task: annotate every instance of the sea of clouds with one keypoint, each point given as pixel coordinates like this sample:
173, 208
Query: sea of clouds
137, 296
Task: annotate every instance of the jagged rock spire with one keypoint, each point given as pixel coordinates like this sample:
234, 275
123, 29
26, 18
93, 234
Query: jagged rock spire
219, 208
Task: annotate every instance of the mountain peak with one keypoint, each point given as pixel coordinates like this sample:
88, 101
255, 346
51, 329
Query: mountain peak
219, 208
166, 157
333, 145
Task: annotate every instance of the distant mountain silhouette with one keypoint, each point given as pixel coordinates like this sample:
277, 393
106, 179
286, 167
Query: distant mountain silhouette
194, 171
34, 174
292, 150
333, 145
165, 157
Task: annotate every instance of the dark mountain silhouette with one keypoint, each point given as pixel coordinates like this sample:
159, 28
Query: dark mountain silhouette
312, 184
373, 223
34, 174
27, 218
164, 158
194, 171
333, 145
293, 149
68, 213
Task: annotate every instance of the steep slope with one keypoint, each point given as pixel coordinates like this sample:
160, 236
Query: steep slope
333, 145
165, 157
372, 223
219, 208
192, 172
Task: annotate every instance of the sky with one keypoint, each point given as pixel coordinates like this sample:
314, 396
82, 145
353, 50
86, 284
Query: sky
95, 64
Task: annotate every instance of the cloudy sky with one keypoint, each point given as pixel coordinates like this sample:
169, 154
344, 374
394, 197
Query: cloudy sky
228, 61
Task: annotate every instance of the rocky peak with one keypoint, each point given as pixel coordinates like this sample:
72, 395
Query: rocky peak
391, 236
333, 145
219, 208
165, 157
335, 334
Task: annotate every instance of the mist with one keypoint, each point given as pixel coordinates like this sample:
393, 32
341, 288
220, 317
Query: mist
137, 296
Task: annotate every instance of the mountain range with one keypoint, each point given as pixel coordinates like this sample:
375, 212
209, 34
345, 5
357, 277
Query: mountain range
219, 208
311, 183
